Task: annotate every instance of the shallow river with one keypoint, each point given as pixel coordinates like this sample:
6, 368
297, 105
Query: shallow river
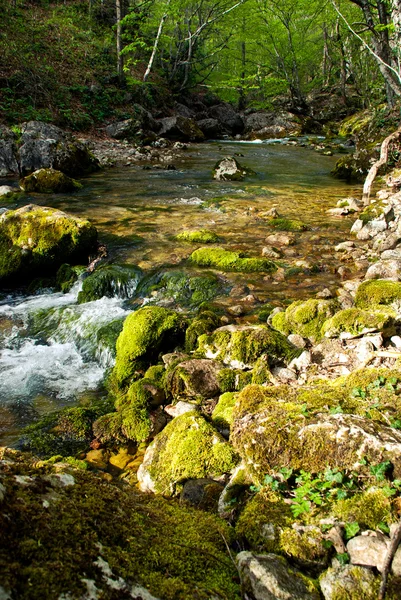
50, 355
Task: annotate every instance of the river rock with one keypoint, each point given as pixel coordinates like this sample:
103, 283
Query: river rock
5, 190
49, 181
369, 550
195, 378
385, 269
137, 127
265, 125
181, 129
348, 581
391, 254
211, 128
37, 240
229, 169
230, 120
43, 146
269, 577
187, 448
280, 239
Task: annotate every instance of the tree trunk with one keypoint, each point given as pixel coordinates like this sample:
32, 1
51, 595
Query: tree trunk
374, 169
155, 45
120, 62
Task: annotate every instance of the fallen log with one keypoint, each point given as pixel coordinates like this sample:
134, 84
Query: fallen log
371, 176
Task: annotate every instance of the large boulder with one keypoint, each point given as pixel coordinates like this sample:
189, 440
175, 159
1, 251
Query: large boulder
180, 128
41, 146
188, 448
137, 127
305, 318
196, 378
211, 128
265, 125
110, 281
37, 240
49, 181
67, 533
230, 120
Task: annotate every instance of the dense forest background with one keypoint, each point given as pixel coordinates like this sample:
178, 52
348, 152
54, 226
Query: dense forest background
78, 63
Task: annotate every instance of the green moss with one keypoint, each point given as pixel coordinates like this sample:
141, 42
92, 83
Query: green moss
66, 277
145, 333
371, 212
355, 123
305, 318
377, 292
204, 322
188, 448
262, 520
284, 224
261, 373
41, 239
66, 432
187, 289
227, 261
49, 181
156, 374
240, 347
176, 552
227, 380
355, 321
304, 546
198, 236
110, 281
369, 509
107, 336
347, 168
222, 416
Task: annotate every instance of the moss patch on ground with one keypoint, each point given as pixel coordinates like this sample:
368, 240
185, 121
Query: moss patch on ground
62, 532
377, 292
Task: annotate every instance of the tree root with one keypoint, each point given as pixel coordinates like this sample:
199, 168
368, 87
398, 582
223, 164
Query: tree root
379, 163
391, 550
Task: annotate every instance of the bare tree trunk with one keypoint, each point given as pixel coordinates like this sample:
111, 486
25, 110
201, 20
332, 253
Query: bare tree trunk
120, 61
379, 163
392, 549
155, 45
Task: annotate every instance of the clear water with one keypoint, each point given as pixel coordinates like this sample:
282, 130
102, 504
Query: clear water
49, 352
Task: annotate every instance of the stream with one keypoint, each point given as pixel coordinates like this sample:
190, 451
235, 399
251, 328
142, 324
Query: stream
51, 353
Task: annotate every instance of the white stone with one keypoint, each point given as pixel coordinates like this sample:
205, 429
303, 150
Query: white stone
302, 362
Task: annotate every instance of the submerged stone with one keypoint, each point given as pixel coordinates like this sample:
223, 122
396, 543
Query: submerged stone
110, 281
199, 236
228, 261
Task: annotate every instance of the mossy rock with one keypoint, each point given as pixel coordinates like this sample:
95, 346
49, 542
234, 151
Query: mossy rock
272, 430
240, 346
65, 432
36, 239
110, 281
198, 236
371, 212
355, 123
204, 322
351, 581
197, 378
107, 336
284, 224
228, 261
145, 334
188, 448
66, 276
186, 289
305, 318
229, 169
222, 415
347, 168
377, 292
368, 508
352, 322
49, 181
62, 529
262, 519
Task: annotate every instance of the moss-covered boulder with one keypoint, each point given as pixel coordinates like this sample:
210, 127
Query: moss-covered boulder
352, 581
110, 281
145, 334
285, 224
66, 276
196, 378
377, 292
49, 181
305, 318
352, 322
228, 261
240, 346
37, 239
66, 532
188, 448
272, 430
198, 236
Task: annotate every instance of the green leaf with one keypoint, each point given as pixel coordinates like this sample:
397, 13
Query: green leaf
351, 529
379, 471
343, 558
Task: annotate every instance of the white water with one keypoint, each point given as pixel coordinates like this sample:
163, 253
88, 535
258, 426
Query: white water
51, 348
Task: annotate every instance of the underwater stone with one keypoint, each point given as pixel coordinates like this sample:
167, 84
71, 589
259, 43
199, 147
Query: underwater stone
49, 181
